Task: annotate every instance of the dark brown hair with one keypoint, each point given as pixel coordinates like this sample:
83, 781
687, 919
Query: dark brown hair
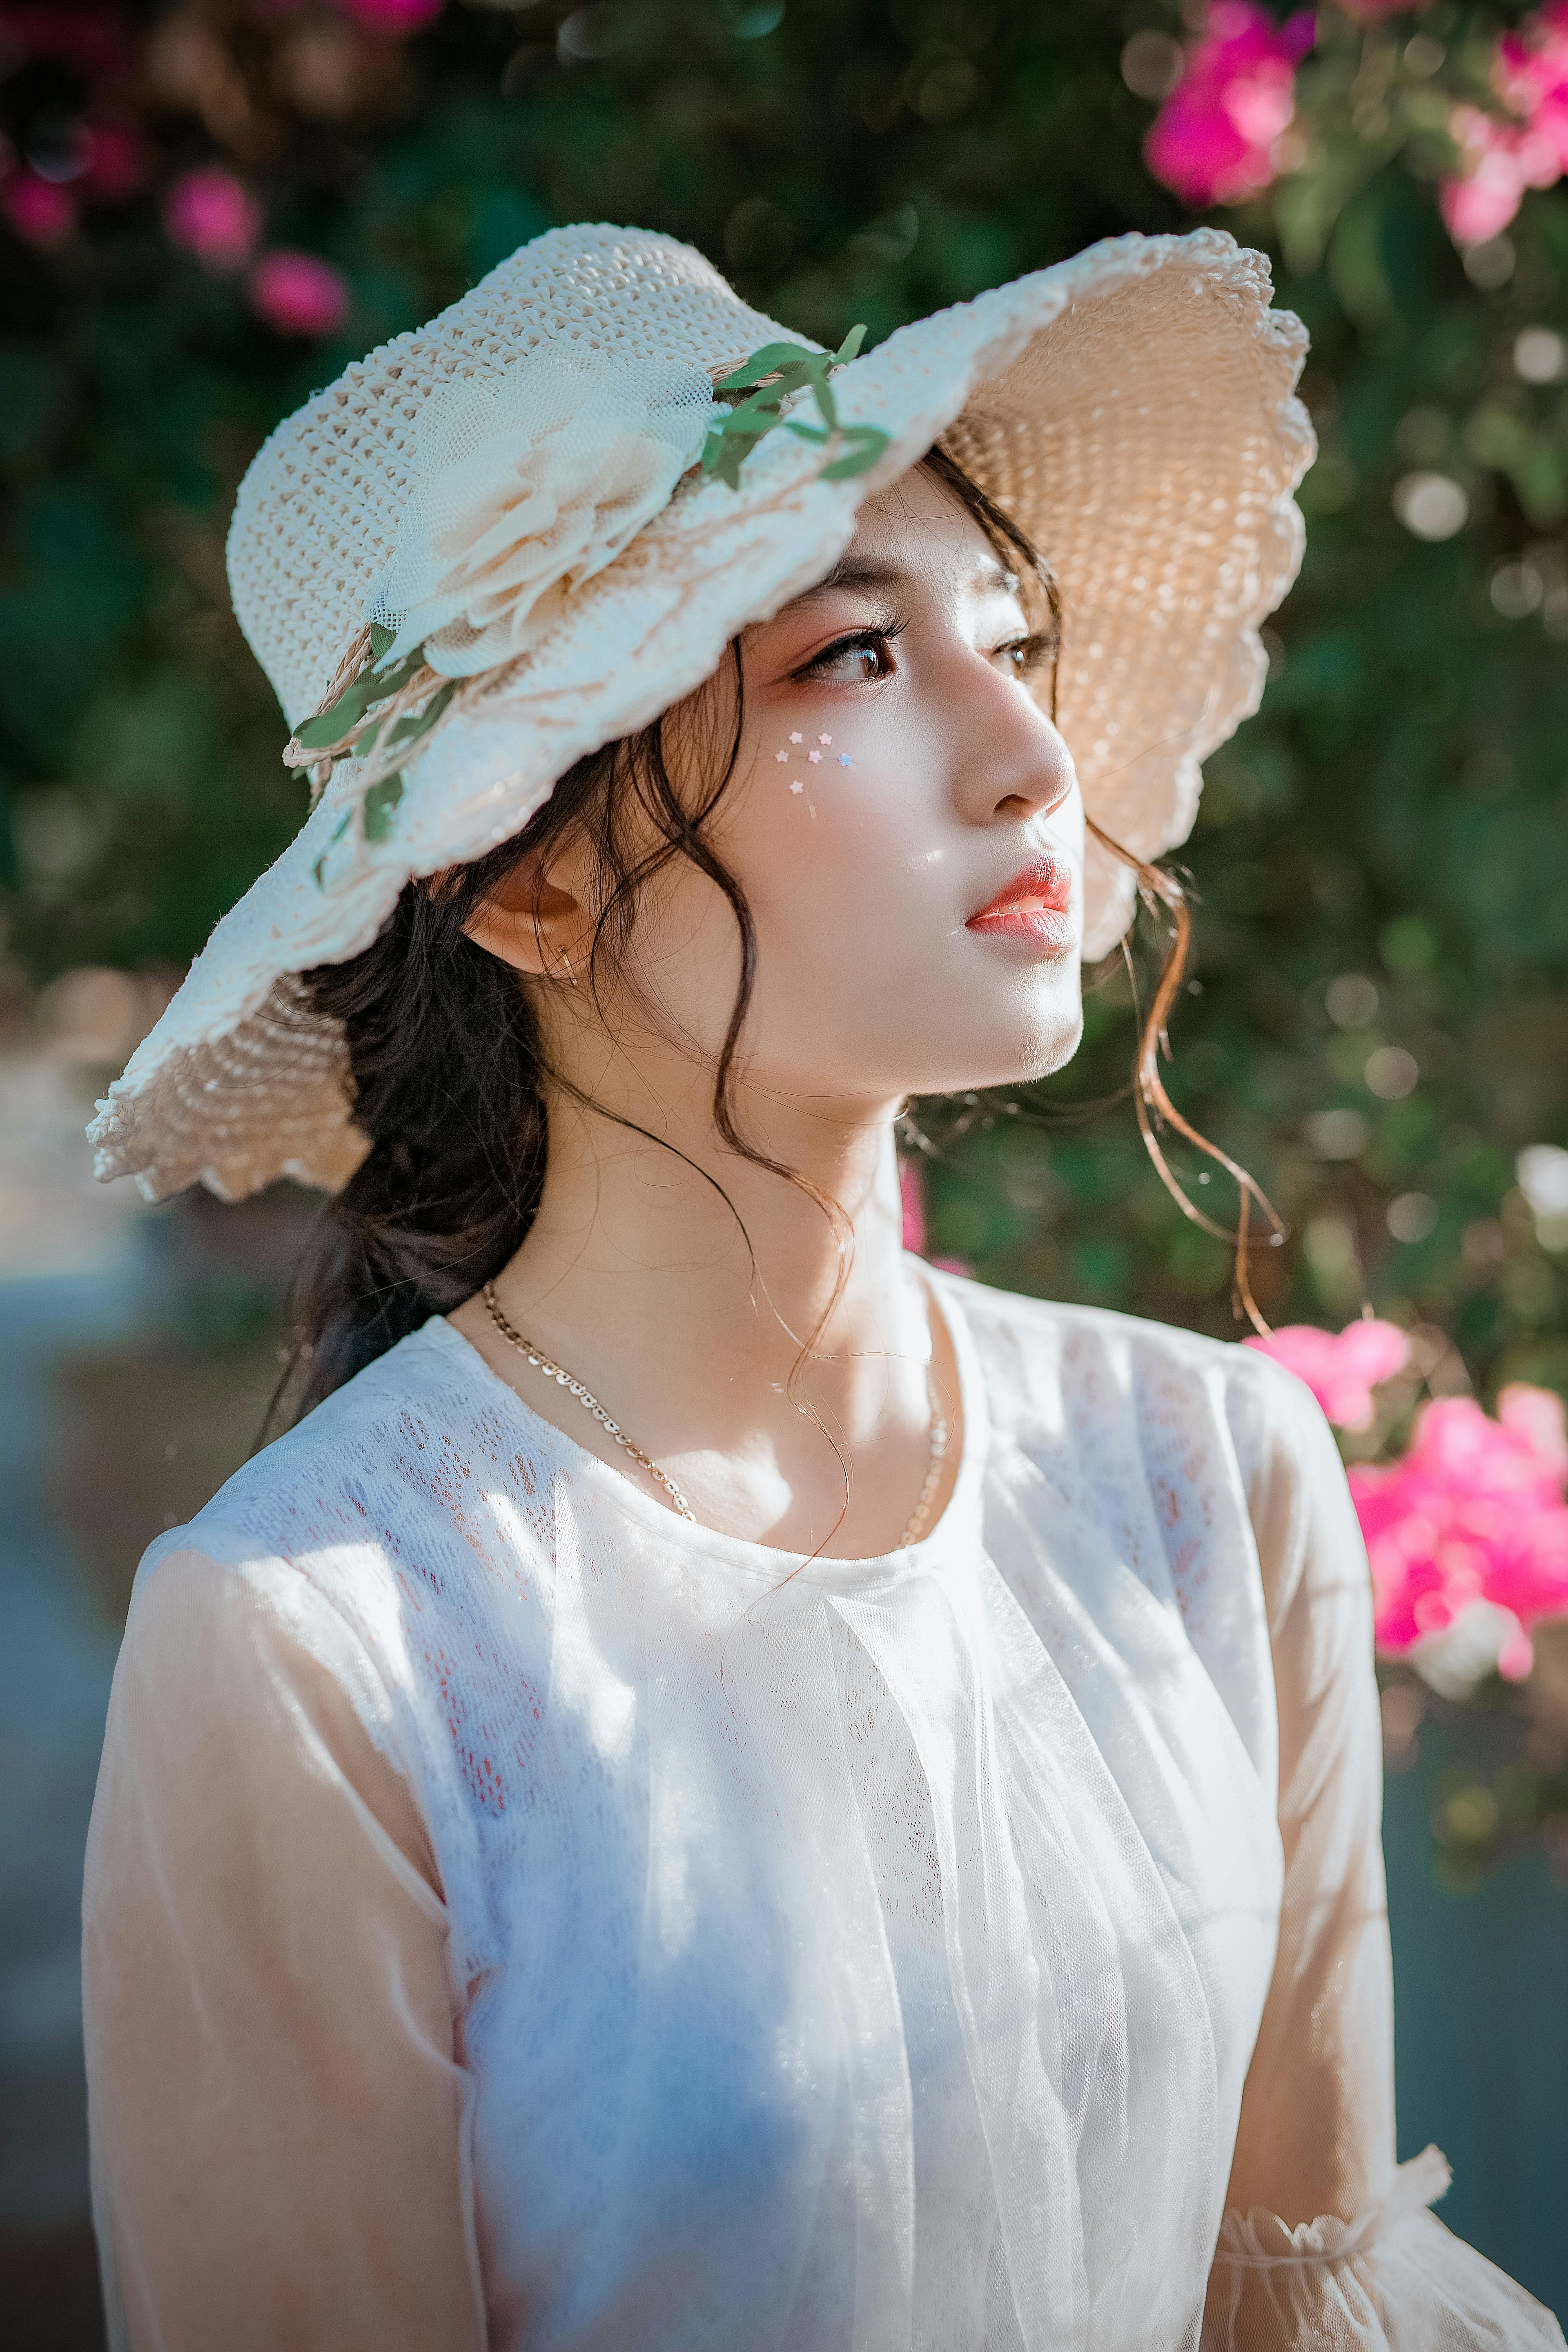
446, 1054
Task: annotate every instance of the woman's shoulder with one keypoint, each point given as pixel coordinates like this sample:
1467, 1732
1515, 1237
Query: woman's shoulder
403, 1454
1050, 1366
1122, 1448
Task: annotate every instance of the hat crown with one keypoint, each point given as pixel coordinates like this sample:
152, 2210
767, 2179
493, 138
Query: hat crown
332, 516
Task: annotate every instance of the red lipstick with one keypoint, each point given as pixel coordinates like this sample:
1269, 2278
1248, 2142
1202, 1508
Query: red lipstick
1036, 905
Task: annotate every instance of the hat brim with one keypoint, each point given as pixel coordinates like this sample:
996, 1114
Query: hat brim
1133, 410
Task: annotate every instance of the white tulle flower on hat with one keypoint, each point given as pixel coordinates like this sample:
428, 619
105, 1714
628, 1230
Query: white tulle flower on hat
529, 481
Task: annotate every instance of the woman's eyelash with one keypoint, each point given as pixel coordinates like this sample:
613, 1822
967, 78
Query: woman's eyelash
881, 633
1032, 653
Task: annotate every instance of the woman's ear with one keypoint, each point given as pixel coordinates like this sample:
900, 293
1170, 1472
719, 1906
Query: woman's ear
533, 920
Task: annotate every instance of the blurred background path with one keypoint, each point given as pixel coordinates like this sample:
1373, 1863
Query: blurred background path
72, 1276
134, 1364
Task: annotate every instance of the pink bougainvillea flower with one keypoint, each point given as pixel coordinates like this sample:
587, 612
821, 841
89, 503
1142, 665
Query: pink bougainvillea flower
1481, 1639
116, 162
1473, 1513
39, 210
1467, 1533
1480, 205
912, 1192
1341, 1368
1530, 76
1503, 157
394, 16
298, 295
1214, 140
1536, 1419
94, 41
212, 215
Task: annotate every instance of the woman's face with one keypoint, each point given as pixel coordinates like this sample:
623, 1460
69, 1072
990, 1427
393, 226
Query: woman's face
903, 819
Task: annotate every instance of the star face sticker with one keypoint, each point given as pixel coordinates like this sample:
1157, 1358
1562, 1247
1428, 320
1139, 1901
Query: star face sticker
824, 739
781, 757
797, 788
797, 736
816, 759
845, 760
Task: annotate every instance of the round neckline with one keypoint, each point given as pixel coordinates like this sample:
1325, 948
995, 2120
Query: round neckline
739, 1555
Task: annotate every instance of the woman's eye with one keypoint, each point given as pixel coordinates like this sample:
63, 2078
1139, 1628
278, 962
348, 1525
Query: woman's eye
1023, 655
854, 661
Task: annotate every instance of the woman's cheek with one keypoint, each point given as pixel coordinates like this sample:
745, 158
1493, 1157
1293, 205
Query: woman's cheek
807, 791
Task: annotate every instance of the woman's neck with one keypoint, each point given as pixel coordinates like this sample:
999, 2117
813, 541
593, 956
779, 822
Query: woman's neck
682, 1283
682, 1255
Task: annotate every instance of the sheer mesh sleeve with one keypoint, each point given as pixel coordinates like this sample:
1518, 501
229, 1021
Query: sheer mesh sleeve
1326, 2243
278, 2113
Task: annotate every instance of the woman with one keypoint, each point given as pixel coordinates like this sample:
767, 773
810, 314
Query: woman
720, 1787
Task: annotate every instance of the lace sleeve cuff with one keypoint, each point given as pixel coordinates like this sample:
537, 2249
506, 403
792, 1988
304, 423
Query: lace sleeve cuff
1391, 2279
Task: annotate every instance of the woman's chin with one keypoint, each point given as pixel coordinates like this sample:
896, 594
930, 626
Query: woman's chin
1012, 1058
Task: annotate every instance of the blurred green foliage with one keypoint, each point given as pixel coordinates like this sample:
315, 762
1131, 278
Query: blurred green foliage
1382, 855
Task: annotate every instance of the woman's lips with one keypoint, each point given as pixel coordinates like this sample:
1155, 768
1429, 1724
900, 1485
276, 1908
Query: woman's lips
1036, 904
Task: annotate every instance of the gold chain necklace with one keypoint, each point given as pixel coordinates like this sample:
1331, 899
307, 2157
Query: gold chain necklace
590, 1403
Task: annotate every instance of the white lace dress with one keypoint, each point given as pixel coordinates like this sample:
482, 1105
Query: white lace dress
517, 1917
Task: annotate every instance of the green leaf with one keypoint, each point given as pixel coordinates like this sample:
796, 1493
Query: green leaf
727, 447
409, 729
339, 830
379, 805
772, 356
728, 462
761, 403
316, 733
388, 681
350, 707
370, 686
381, 641
784, 386
339, 716
872, 441
746, 435
717, 452
792, 369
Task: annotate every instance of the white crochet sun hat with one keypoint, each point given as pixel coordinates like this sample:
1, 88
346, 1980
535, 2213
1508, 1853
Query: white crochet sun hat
511, 512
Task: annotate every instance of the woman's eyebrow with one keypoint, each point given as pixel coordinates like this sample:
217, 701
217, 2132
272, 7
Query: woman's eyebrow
863, 571
858, 571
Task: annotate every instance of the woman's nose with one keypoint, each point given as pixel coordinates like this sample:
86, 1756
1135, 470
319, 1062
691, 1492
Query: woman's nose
1015, 762
1040, 780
